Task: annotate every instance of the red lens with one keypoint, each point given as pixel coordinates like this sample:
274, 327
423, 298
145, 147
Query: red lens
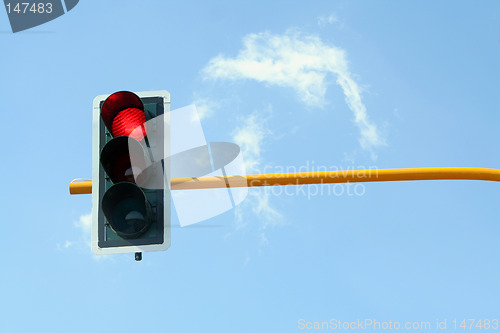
123, 115
129, 122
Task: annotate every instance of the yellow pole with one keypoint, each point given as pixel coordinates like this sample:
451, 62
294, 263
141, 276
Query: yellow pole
324, 177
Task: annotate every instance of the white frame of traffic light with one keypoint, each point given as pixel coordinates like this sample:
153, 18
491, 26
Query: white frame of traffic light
96, 130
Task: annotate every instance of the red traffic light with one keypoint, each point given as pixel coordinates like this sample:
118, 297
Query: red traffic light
123, 114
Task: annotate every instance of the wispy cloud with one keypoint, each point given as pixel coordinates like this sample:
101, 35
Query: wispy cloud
251, 136
324, 20
66, 245
301, 62
205, 107
85, 224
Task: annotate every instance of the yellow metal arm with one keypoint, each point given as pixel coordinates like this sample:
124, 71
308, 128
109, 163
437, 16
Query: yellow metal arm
80, 187
325, 177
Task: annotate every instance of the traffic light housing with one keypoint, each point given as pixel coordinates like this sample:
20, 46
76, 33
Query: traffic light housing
130, 187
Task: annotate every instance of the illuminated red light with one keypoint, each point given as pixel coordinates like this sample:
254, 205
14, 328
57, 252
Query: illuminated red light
123, 115
127, 121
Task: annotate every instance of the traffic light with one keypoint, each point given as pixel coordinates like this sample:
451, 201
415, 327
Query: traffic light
130, 192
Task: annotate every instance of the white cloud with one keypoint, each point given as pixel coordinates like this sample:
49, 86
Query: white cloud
324, 20
263, 209
205, 107
250, 136
85, 224
301, 62
66, 245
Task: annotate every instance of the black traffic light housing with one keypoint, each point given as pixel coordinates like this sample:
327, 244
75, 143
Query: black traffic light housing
130, 192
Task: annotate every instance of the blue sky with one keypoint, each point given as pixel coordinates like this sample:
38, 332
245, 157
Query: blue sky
334, 84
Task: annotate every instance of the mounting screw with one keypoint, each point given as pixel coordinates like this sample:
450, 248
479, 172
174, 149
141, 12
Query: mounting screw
138, 256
